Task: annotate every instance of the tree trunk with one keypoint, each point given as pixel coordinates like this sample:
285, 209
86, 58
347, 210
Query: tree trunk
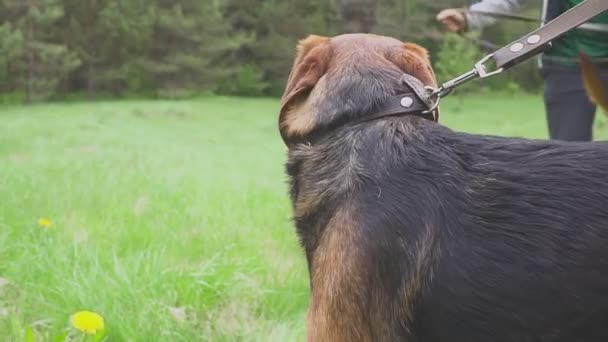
30, 54
91, 82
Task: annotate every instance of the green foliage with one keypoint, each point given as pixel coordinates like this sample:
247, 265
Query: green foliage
185, 47
162, 48
11, 46
35, 62
53, 62
12, 98
248, 81
11, 41
456, 56
273, 29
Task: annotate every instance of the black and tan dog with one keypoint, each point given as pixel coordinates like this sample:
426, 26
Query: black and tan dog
414, 232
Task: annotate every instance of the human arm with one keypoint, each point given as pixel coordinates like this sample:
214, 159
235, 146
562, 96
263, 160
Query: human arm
457, 20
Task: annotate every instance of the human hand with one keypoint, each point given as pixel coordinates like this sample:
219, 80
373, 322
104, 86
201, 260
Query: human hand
452, 19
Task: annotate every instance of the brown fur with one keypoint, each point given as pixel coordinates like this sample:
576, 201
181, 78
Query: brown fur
416, 62
329, 317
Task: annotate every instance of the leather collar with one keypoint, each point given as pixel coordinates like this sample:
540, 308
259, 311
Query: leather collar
415, 100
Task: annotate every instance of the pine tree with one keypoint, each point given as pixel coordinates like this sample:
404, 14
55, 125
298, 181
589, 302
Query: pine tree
11, 46
43, 61
109, 37
190, 40
128, 29
275, 27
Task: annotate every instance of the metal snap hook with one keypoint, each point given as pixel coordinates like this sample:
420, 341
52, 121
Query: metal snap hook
434, 93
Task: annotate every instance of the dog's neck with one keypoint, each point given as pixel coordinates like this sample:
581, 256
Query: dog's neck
361, 98
333, 161
327, 173
352, 94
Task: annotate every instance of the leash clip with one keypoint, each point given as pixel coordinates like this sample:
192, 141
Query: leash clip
479, 71
433, 93
480, 68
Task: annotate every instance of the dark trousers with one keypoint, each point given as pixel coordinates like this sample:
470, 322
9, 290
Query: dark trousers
570, 113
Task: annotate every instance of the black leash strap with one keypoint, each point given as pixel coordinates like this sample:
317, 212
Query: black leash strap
528, 46
508, 16
535, 42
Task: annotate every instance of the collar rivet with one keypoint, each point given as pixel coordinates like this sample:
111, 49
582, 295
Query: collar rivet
407, 102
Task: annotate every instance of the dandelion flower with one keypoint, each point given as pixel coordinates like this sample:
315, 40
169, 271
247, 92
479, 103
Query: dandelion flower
45, 223
88, 322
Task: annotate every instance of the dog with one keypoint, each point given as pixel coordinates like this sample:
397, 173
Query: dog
596, 90
415, 232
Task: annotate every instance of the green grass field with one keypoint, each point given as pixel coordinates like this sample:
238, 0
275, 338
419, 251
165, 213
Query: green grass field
170, 219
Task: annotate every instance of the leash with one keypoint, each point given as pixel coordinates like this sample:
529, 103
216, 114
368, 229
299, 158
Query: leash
524, 48
423, 101
490, 46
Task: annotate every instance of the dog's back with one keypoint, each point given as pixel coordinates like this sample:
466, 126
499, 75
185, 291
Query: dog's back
521, 237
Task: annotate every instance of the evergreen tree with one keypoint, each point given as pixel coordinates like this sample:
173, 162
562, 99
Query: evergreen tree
109, 37
190, 39
128, 32
275, 27
43, 61
11, 47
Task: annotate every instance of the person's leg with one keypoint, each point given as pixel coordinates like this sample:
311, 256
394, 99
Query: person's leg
570, 113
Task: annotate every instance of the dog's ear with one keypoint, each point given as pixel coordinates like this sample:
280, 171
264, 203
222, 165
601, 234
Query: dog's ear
311, 62
414, 60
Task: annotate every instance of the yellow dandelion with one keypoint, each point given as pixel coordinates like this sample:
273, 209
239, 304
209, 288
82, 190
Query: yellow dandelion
45, 222
88, 322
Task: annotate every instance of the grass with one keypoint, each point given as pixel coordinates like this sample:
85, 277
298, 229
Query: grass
170, 219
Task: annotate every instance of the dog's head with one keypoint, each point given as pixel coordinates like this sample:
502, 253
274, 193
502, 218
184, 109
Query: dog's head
334, 80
